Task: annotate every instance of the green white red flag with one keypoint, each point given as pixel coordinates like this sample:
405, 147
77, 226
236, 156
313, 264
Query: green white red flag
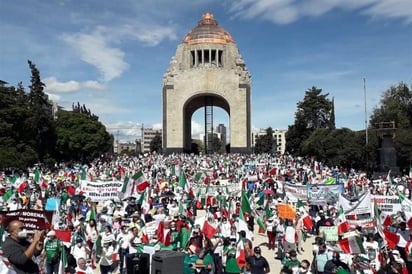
141, 183
341, 223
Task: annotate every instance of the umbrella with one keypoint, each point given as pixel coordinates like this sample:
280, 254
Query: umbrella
268, 191
168, 194
77, 197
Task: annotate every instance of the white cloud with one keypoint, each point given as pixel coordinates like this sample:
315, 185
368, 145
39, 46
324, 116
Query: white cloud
97, 48
288, 11
197, 129
53, 86
126, 131
94, 49
150, 35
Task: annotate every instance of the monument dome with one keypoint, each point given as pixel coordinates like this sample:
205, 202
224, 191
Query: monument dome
208, 31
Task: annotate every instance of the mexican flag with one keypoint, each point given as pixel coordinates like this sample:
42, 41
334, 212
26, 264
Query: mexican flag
9, 195
341, 223
141, 183
352, 245
242, 225
208, 230
127, 188
202, 177
307, 222
240, 254
183, 183
63, 261
245, 204
261, 223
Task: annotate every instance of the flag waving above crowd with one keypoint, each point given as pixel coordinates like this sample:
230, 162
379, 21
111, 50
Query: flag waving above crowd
175, 202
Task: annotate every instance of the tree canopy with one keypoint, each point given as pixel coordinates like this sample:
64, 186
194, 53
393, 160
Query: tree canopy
31, 132
314, 112
314, 133
266, 143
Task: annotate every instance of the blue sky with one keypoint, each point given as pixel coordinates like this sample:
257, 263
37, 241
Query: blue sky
111, 55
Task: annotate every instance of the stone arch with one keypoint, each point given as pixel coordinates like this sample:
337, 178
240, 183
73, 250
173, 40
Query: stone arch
206, 64
194, 103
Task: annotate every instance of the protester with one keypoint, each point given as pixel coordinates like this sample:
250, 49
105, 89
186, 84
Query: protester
162, 215
106, 260
82, 267
257, 264
52, 252
19, 251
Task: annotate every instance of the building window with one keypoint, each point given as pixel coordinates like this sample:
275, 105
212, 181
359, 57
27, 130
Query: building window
206, 58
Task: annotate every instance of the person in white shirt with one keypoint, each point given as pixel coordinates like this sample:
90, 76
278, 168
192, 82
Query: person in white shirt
13, 205
82, 267
173, 208
124, 242
80, 249
134, 240
225, 228
271, 232
106, 261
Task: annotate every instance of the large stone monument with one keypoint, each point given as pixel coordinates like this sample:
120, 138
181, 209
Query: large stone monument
386, 150
206, 71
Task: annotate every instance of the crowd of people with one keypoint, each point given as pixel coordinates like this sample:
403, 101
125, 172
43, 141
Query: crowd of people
208, 208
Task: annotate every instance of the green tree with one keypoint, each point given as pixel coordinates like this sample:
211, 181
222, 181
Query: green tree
156, 143
396, 105
216, 144
16, 143
80, 137
266, 143
40, 124
314, 112
338, 147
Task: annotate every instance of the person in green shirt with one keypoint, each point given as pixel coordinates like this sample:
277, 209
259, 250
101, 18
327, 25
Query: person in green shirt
174, 237
232, 266
51, 254
189, 259
291, 262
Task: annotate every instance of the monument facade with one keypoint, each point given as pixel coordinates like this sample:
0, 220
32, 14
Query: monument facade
207, 70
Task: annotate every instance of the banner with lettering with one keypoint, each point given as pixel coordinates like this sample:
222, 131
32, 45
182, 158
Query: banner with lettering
101, 190
330, 233
362, 206
322, 193
389, 204
297, 191
32, 219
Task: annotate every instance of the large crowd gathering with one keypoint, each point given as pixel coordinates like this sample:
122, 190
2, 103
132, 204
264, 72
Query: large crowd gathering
208, 209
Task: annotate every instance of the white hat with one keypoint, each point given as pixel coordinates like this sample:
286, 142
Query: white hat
51, 233
76, 223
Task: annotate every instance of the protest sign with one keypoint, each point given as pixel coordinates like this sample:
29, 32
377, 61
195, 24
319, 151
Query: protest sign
389, 204
286, 211
299, 192
322, 193
101, 190
330, 233
32, 219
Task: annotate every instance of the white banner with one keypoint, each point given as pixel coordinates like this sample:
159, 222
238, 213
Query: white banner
389, 204
362, 206
101, 190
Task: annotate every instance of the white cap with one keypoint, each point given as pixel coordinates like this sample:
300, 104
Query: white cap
51, 233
